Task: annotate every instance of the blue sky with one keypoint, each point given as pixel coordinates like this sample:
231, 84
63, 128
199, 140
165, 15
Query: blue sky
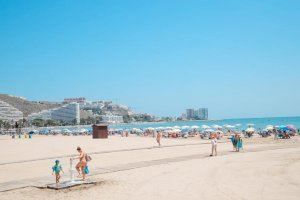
238, 58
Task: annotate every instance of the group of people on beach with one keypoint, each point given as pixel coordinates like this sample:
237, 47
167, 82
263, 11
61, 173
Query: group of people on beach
83, 158
236, 141
81, 166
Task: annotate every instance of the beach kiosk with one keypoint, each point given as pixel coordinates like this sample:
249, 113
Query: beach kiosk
100, 131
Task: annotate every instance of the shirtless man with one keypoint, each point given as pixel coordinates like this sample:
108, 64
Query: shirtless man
158, 138
81, 164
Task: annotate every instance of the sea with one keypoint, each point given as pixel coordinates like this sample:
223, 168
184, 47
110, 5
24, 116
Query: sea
239, 124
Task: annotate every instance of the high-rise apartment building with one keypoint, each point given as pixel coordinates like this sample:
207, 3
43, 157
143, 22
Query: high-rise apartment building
201, 113
190, 113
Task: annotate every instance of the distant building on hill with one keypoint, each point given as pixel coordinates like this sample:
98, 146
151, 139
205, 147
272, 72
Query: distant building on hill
80, 100
200, 114
9, 113
66, 113
112, 119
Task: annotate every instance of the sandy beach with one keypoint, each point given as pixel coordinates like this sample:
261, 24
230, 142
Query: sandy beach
134, 168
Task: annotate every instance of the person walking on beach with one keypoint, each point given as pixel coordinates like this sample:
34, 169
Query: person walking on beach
233, 139
214, 142
80, 167
56, 169
158, 138
275, 134
239, 143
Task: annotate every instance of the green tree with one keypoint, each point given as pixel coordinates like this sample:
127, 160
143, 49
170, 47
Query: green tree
38, 122
51, 122
7, 125
127, 118
1, 123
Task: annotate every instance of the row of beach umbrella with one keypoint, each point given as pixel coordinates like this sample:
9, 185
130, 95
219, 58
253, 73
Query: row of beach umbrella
204, 128
215, 128
288, 127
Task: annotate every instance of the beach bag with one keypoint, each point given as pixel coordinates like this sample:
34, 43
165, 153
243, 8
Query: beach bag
86, 170
88, 158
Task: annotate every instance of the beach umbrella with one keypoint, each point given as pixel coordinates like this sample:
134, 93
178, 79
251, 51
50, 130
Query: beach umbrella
291, 127
208, 130
64, 131
250, 130
250, 125
176, 127
205, 127
229, 126
217, 126
185, 130
44, 131
283, 128
175, 130
159, 128
84, 130
194, 127
269, 127
150, 129
168, 128
136, 130
185, 127
238, 125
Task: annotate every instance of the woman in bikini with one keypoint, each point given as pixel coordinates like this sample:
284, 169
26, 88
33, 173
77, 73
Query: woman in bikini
81, 164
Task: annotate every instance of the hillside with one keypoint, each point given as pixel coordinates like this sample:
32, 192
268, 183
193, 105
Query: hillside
116, 109
25, 106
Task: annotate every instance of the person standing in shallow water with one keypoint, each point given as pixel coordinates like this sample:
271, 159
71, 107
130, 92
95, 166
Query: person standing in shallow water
81, 164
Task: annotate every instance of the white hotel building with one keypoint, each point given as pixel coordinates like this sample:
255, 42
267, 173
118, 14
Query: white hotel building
66, 113
112, 119
9, 113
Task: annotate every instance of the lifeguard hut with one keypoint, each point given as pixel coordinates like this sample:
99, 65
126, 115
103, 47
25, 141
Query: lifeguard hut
100, 131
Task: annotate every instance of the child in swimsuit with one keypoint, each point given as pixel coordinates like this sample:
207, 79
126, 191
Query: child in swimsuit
56, 169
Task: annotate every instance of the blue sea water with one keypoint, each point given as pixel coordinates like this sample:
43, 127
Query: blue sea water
259, 123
